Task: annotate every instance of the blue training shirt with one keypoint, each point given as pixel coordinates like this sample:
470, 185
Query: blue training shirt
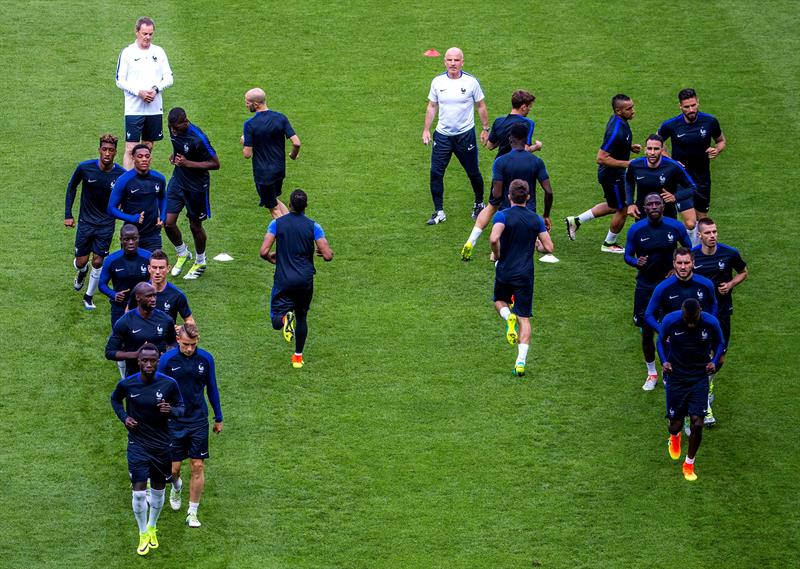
134, 193
519, 165
719, 268
641, 179
669, 295
295, 236
501, 129
195, 146
617, 142
266, 133
194, 374
95, 192
689, 349
657, 241
517, 244
690, 140
124, 272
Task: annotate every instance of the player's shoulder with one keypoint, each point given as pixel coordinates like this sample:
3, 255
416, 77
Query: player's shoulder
671, 122
118, 170
88, 164
114, 256
166, 378
666, 283
705, 281
709, 318
638, 226
706, 117
640, 161
201, 353
158, 176
126, 176
673, 223
671, 319
167, 356
174, 289
723, 248
143, 253
161, 315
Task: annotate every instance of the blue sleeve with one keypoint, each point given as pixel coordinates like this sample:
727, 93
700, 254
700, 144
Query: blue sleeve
497, 175
716, 129
162, 203
116, 198
530, 131
117, 396
105, 276
712, 294
685, 179
287, 128
212, 391
115, 342
176, 401
72, 189
248, 135
664, 131
499, 217
271, 228
652, 307
630, 185
542, 174
318, 232
493, 133
607, 144
163, 362
683, 235
183, 307
720, 349
630, 244
662, 339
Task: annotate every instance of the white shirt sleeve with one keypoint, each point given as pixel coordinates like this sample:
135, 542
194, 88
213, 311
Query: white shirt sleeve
432, 93
478, 95
122, 74
166, 72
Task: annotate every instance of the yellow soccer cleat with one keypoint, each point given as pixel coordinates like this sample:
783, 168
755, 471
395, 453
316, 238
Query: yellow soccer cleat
511, 329
466, 251
196, 271
144, 543
176, 270
519, 370
288, 326
152, 538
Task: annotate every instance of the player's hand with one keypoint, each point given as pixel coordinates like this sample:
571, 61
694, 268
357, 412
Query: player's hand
120, 296
141, 218
164, 407
484, 137
426, 137
725, 288
536, 146
710, 368
69, 222
217, 427
633, 211
159, 223
712, 152
131, 423
179, 160
272, 257
548, 223
667, 197
667, 367
636, 148
641, 261
293, 155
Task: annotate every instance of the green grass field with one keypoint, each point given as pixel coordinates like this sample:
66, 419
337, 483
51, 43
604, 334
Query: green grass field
405, 441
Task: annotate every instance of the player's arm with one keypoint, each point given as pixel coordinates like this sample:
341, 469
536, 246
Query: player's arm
115, 345
683, 235
430, 112
548, 201
546, 241
740, 277
497, 189
721, 144
630, 249
167, 79
483, 113
493, 142
605, 159
116, 199
247, 142
661, 342
719, 349
266, 246
173, 404
497, 231
162, 203
295, 140
652, 307
122, 75
712, 294
630, 191
72, 190
117, 397
213, 394
105, 278
211, 164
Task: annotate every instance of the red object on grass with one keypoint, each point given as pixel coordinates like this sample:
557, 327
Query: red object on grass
432, 53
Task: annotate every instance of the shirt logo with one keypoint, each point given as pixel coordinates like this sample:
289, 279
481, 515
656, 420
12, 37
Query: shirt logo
700, 295
662, 179
143, 268
463, 90
703, 131
643, 239
201, 368
166, 306
681, 135
159, 330
158, 188
443, 90
671, 297
670, 237
698, 266
704, 334
640, 177
175, 368
136, 331
186, 148
671, 412
136, 190
118, 270
155, 58
135, 395
678, 333
91, 181
136, 58
721, 264
159, 395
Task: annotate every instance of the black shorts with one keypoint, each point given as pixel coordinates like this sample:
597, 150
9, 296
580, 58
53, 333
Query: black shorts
725, 324
93, 239
641, 298
522, 293
292, 299
686, 397
684, 199
702, 194
144, 464
614, 192
188, 441
144, 127
150, 241
197, 204
268, 194
496, 201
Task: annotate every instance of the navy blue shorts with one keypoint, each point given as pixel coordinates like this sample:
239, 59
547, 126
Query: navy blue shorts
684, 199
144, 464
702, 195
614, 192
188, 441
522, 293
686, 397
144, 127
150, 241
197, 204
268, 194
93, 239
295, 299
641, 298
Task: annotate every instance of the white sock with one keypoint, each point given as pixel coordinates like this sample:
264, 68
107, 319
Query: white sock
193, 507
611, 237
476, 232
522, 353
121, 367
177, 484
693, 235
504, 312
586, 216
651, 368
94, 282
201, 258
689, 460
139, 504
182, 250
156, 503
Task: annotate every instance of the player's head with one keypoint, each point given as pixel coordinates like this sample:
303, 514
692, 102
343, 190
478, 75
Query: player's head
518, 192
108, 149
683, 263
145, 28
148, 356
145, 295
141, 154
623, 106
522, 101
690, 312
518, 135
255, 99
653, 148
454, 61
687, 100
298, 200
129, 238
653, 206
177, 121
707, 231
188, 336
158, 267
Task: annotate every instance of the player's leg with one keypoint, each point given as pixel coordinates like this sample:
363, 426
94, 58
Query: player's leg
641, 298
133, 134
151, 240
83, 246
302, 304
138, 469
523, 308
675, 412
198, 209
152, 130
614, 193
281, 313
440, 157
196, 486
503, 294
177, 485
160, 474
697, 398
179, 451
484, 217
702, 194
466, 150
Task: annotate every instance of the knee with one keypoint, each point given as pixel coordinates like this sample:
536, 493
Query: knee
198, 467
97, 262
697, 423
675, 427
170, 224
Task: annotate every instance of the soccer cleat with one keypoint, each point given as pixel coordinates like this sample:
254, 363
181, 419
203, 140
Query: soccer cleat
151, 537
511, 329
196, 271
572, 226
650, 383
88, 303
674, 446
288, 326
80, 277
687, 427
144, 543
612, 248
466, 251
477, 209
192, 521
297, 361
688, 472
709, 420
174, 498
519, 369
176, 270
437, 217
711, 389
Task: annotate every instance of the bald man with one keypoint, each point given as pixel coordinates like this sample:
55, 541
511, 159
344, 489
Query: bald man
264, 141
455, 95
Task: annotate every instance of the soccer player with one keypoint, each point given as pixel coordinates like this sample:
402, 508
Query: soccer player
649, 248
612, 159
143, 72
194, 371
139, 197
519, 164
145, 325
151, 399
169, 298
95, 227
264, 140
513, 240
455, 95
686, 341
297, 237
690, 134
124, 269
521, 103
193, 157
718, 262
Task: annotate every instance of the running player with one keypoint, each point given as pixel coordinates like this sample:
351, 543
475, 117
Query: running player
521, 103
169, 298
124, 268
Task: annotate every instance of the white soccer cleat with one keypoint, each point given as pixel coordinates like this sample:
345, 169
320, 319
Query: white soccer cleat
437, 217
192, 521
650, 383
174, 499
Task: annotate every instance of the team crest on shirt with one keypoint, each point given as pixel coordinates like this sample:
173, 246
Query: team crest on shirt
186, 147
703, 131
143, 268
700, 295
159, 395
160, 330
671, 412
670, 237
662, 179
158, 188
112, 184
704, 334
463, 90
721, 265
201, 368
166, 306
155, 58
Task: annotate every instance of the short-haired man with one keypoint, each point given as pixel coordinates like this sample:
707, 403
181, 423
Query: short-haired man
518, 164
169, 298
140, 197
195, 373
264, 140
189, 187
124, 268
686, 342
521, 103
513, 240
649, 248
455, 95
150, 400
298, 237
612, 159
95, 226
143, 72
718, 262
690, 134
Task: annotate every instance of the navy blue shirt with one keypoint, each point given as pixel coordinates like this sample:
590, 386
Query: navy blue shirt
641, 179
501, 129
133, 330
295, 235
617, 142
194, 146
519, 165
719, 268
517, 244
689, 349
657, 241
171, 300
141, 403
95, 191
691, 140
266, 133
194, 374
671, 292
124, 272
135, 193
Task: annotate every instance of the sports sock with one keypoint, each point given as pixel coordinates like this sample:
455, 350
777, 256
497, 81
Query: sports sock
177, 484
476, 232
504, 312
201, 258
193, 507
611, 237
300, 331
182, 250
651, 368
522, 353
585, 216
156, 503
94, 282
689, 460
693, 235
139, 504
121, 367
